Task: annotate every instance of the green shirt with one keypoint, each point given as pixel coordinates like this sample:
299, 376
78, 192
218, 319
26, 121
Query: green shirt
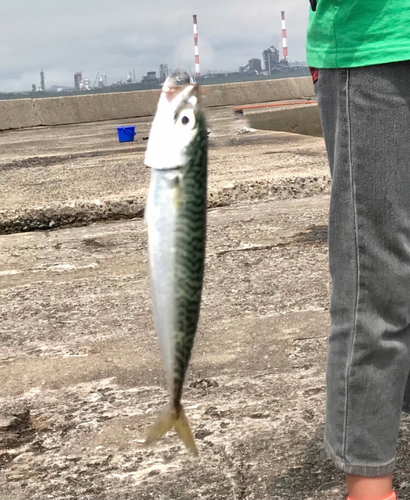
351, 33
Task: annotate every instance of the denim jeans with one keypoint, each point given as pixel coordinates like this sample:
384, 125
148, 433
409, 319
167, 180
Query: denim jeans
365, 115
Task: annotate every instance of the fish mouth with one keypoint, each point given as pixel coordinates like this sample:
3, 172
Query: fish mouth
177, 82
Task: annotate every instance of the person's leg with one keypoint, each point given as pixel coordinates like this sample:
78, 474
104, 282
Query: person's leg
365, 115
370, 488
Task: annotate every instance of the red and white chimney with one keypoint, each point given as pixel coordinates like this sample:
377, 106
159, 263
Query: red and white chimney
197, 68
284, 39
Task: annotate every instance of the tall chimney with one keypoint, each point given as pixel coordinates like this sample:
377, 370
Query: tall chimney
42, 82
284, 40
197, 69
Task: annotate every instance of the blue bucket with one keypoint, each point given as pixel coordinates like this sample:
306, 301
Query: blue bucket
126, 134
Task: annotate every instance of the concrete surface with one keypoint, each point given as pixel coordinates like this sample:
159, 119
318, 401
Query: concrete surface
234, 94
295, 119
81, 379
90, 108
78, 174
19, 113
96, 107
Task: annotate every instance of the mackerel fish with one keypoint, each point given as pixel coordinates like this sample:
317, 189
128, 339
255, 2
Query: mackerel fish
176, 220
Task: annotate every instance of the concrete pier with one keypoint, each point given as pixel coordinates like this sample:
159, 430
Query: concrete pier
22, 113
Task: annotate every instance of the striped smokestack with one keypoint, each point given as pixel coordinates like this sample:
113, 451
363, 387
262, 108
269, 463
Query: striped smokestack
197, 68
284, 40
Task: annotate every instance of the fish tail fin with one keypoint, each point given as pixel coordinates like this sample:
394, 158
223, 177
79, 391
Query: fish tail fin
168, 420
184, 432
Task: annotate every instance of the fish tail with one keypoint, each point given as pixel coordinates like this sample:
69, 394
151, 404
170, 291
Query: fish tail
171, 418
184, 432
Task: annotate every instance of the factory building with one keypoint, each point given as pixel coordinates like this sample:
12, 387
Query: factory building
77, 80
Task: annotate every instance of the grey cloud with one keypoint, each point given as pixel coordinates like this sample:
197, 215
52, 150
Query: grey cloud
65, 36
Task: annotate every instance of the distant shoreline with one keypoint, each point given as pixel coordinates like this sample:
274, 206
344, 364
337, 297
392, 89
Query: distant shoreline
206, 80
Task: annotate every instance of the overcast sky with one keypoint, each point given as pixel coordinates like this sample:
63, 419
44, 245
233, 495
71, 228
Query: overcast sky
114, 37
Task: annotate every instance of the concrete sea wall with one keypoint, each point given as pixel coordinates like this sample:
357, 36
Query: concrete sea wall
22, 113
295, 119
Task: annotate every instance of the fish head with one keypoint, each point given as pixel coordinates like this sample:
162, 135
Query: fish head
175, 124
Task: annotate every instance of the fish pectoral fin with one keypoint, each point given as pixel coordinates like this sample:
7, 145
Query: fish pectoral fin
169, 420
177, 192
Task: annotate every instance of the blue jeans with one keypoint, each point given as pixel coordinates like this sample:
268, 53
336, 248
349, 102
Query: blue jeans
365, 115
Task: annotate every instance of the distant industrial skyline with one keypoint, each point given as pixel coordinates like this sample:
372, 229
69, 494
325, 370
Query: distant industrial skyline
100, 37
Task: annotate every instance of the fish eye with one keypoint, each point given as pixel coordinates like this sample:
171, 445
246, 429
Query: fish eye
187, 119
